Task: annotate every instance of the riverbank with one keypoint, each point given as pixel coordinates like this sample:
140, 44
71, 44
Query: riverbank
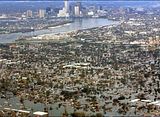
32, 29
58, 24
78, 24
64, 36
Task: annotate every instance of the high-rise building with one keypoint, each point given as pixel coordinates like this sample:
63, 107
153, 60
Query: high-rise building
66, 6
65, 11
77, 10
41, 13
29, 13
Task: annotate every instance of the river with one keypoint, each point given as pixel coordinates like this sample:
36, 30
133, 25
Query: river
78, 24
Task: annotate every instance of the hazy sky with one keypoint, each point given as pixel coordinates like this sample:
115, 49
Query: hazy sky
18, 5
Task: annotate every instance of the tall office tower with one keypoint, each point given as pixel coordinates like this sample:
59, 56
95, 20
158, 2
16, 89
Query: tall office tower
29, 13
41, 13
65, 11
77, 11
66, 6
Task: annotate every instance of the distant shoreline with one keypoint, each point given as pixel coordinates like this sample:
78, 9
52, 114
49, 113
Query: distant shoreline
58, 25
43, 28
84, 23
31, 39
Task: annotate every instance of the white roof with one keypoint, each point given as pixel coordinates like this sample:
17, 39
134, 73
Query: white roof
22, 111
155, 102
40, 113
135, 100
146, 100
158, 104
7, 108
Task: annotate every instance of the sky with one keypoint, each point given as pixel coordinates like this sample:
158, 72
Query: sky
22, 5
